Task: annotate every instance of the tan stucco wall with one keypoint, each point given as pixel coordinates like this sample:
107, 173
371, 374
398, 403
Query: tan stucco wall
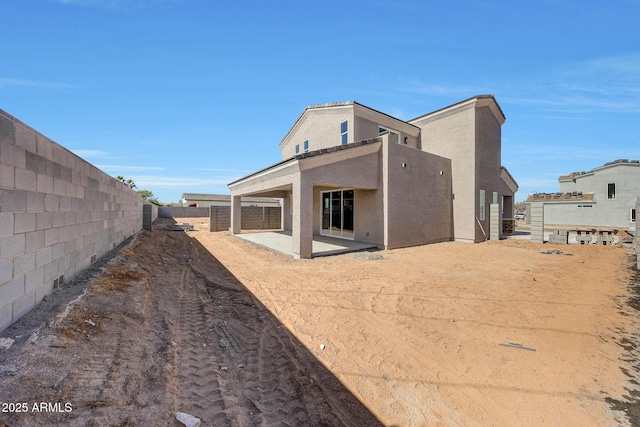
420, 208
368, 214
488, 161
362, 174
452, 135
367, 122
469, 134
321, 127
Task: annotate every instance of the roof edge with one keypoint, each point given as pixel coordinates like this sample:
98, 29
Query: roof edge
460, 103
339, 104
314, 153
617, 162
504, 169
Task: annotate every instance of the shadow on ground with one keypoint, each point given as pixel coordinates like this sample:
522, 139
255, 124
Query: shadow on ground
164, 327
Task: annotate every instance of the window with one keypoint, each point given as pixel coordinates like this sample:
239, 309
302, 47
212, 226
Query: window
495, 197
344, 132
297, 148
632, 215
306, 146
611, 191
482, 205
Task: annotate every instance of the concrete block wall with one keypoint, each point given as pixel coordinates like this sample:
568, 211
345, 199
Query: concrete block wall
58, 214
494, 222
149, 215
559, 236
253, 218
261, 218
182, 212
537, 222
219, 218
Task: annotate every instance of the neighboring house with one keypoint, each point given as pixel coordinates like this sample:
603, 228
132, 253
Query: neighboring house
206, 200
605, 196
351, 172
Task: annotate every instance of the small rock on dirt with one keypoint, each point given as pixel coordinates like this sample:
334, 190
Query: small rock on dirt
6, 343
368, 255
187, 420
554, 252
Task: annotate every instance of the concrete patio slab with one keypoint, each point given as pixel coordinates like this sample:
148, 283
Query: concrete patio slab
281, 241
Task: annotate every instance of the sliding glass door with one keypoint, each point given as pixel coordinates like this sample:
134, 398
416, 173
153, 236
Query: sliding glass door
337, 213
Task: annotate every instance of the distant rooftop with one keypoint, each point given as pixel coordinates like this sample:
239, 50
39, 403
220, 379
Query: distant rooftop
575, 196
224, 198
613, 163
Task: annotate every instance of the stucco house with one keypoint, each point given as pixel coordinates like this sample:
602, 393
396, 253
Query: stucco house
605, 196
351, 172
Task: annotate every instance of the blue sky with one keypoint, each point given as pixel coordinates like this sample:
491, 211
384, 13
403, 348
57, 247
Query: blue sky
189, 95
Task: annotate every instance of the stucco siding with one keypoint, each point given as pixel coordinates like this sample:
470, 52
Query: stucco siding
356, 172
367, 124
452, 135
488, 162
369, 218
321, 127
420, 204
603, 211
359, 173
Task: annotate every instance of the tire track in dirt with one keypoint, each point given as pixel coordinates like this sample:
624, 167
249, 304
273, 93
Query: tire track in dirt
398, 390
174, 330
123, 371
200, 390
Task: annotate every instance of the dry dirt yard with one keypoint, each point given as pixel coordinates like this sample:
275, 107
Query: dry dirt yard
210, 325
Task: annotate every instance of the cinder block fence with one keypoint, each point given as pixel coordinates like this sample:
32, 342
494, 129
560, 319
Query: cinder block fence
58, 215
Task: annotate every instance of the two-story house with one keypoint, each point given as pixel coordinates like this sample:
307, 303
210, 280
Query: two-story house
605, 196
351, 172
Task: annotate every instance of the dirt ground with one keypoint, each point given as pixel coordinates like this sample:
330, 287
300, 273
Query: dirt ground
210, 325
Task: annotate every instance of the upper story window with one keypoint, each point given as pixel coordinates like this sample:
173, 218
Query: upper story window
297, 148
632, 215
611, 191
305, 146
344, 132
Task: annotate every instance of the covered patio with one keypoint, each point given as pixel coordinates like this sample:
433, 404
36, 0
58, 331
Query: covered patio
342, 177
282, 241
